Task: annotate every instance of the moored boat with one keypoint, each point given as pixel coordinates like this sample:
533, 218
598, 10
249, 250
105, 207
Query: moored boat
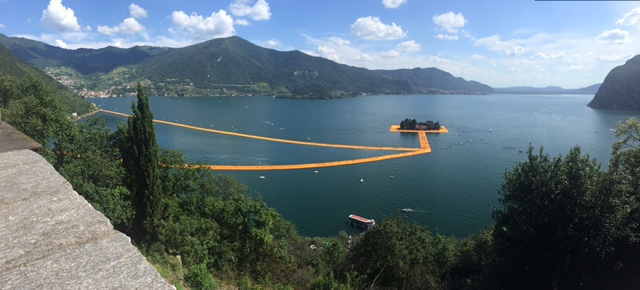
364, 223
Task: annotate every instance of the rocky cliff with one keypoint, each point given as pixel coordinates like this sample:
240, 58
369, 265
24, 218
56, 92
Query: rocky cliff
620, 89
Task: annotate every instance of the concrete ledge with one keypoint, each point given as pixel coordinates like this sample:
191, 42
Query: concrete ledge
51, 238
12, 139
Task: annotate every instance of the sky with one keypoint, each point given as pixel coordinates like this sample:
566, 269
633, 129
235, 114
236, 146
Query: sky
500, 43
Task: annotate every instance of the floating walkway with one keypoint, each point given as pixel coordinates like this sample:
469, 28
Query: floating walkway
424, 148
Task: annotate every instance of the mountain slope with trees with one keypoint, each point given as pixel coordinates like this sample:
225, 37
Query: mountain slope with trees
227, 66
16, 77
620, 89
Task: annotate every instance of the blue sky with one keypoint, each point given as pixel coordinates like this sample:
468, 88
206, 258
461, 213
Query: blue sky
500, 43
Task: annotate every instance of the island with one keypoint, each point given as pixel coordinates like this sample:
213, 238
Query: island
407, 124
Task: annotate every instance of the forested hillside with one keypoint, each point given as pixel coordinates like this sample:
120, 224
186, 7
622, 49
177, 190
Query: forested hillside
16, 77
226, 66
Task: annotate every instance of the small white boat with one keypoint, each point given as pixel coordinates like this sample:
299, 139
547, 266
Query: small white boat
315, 171
361, 180
262, 177
408, 210
391, 177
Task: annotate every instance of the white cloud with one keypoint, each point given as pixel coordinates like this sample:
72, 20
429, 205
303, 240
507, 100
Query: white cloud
492, 42
365, 57
393, 3
391, 54
514, 50
339, 41
61, 44
259, 11
328, 52
1, 26
549, 56
614, 36
272, 43
446, 37
371, 28
612, 58
59, 18
217, 25
631, 18
128, 26
137, 11
408, 46
508, 48
242, 22
450, 22
575, 67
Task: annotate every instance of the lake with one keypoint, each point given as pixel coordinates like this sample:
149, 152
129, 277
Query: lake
453, 189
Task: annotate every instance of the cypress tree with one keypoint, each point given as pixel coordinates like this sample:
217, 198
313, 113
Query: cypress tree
140, 159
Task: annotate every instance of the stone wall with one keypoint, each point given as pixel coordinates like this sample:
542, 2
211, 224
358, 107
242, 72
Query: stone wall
51, 238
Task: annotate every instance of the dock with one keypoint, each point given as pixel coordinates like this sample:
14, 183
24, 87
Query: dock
407, 152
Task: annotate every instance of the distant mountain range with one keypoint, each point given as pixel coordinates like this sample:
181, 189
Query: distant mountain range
620, 89
551, 90
226, 66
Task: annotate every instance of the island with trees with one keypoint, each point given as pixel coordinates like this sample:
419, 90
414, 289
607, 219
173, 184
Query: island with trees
407, 124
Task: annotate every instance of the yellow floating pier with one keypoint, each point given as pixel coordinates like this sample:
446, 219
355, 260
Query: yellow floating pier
424, 148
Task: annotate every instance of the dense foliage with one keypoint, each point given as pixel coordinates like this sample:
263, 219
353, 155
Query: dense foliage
563, 223
16, 77
140, 159
412, 124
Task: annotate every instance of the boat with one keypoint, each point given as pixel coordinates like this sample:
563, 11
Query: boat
361, 180
364, 223
408, 210
262, 177
315, 171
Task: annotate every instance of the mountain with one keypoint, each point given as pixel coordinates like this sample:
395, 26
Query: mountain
226, 66
435, 81
620, 89
551, 90
10, 66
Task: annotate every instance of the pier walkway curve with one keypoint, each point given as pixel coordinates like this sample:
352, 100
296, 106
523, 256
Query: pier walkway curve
424, 148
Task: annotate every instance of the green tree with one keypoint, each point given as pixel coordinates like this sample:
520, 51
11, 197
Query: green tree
402, 255
38, 113
558, 224
8, 90
86, 156
625, 159
140, 155
624, 171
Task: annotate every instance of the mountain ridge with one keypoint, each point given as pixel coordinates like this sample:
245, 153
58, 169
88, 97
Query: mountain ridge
227, 66
620, 89
12, 67
552, 90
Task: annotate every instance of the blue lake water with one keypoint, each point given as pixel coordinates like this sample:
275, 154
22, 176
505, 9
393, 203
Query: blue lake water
453, 189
